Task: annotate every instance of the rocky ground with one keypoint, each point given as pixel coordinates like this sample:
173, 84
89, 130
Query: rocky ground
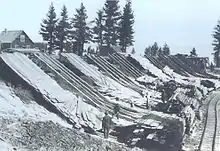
191, 142
29, 135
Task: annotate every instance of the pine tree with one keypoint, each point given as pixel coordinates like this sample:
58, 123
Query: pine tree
166, 49
216, 58
216, 44
75, 47
112, 17
160, 51
133, 51
62, 31
98, 29
148, 51
81, 33
154, 49
126, 31
48, 28
193, 53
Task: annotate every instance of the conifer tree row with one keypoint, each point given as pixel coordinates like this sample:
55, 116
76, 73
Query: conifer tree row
111, 28
62, 34
155, 50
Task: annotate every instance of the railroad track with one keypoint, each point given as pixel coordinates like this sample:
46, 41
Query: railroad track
210, 140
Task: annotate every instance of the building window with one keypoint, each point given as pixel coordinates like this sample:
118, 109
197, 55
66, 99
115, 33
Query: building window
28, 46
22, 38
6, 45
16, 46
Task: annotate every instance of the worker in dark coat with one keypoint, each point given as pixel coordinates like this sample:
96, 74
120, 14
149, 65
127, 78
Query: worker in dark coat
106, 124
116, 110
145, 97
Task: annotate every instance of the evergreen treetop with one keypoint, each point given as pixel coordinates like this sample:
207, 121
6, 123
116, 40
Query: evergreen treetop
62, 31
81, 32
99, 28
148, 51
166, 49
126, 31
216, 43
193, 53
133, 51
47, 29
112, 15
154, 49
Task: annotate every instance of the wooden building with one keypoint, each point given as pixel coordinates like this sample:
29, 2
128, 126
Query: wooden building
15, 39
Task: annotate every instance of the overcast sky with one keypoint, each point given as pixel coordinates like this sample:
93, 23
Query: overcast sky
183, 24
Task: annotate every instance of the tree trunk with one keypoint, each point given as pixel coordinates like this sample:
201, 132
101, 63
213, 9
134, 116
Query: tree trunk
61, 45
81, 48
125, 49
50, 47
217, 59
50, 43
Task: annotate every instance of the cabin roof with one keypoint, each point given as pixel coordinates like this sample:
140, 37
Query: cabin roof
9, 36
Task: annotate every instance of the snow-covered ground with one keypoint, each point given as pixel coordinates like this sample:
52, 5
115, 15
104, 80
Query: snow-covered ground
65, 101
192, 80
16, 115
5, 146
11, 107
14, 108
196, 125
114, 88
107, 84
149, 66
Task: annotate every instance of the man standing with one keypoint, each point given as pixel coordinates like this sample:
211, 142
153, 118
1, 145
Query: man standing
146, 100
106, 124
144, 94
116, 110
77, 104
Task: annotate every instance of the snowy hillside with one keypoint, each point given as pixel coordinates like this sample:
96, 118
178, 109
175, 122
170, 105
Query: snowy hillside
107, 84
11, 107
66, 96
64, 101
168, 74
21, 121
